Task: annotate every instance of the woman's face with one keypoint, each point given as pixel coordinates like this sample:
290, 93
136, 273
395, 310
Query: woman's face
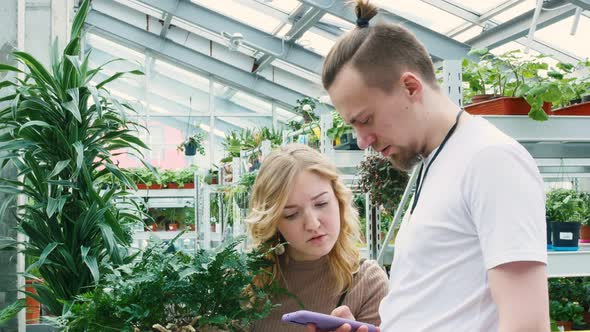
311, 218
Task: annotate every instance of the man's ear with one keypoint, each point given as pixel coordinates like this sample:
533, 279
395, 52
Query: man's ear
411, 84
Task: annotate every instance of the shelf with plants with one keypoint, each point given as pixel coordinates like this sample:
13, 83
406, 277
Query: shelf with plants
513, 83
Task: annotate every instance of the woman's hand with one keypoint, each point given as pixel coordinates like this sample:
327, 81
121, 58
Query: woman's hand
342, 312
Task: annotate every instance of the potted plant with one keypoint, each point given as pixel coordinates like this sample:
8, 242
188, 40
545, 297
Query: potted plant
232, 144
306, 109
564, 209
175, 291
342, 134
60, 133
382, 181
566, 314
573, 90
516, 82
212, 176
192, 145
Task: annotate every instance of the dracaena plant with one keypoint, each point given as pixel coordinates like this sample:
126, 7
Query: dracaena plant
61, 132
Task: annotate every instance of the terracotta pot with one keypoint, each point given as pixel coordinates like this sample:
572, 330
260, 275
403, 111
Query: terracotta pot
480, 98
156, 186
172, 185
189, 186
172, 227
191, 227
152, 227
33, 306
582, 109
567, 326
585, 234
141, 186
504, 106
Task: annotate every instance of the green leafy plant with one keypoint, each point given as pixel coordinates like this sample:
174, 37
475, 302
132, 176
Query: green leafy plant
565, 205
566, 312
61, 133
382, 181
339, 127
176, 290
195, 141
145, 175
510, 74
570, 87
11, 311
306, 108
275, 136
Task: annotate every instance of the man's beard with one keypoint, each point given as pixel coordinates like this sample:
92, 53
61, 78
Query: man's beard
405, 160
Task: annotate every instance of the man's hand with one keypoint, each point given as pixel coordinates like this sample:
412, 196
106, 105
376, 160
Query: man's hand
342, 312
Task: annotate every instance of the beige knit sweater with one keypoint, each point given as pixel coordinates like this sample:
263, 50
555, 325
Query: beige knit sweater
310, 282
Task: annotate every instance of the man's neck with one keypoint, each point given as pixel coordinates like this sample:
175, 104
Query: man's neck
441, 118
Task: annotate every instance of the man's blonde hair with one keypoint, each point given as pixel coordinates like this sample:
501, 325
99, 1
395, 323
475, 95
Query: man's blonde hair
270, 193
381, 53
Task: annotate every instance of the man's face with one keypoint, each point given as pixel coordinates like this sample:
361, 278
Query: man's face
386, 121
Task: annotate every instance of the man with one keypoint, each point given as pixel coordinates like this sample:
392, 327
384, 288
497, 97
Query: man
471, 252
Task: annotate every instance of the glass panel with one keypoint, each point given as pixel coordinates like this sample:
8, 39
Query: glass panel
316, 43
287, 6
559, 34
516, 11
116, 50
242, 13
480, 6
336, 21
181, 75
421, 13
468, 34
252, 103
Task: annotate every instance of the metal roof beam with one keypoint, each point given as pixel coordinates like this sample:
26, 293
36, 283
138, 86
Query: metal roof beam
309, 19
186, 57
484, 17
219, 23
519, 26
439, 45
584, 4
475, 20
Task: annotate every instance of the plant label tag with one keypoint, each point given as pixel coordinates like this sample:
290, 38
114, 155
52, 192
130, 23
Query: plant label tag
566, 235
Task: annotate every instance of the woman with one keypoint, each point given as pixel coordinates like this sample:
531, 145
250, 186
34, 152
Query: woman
300, 206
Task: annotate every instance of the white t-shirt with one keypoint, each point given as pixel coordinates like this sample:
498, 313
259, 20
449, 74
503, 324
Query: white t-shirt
482, 205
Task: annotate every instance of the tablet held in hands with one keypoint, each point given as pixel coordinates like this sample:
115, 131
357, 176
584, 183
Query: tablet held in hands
323, 321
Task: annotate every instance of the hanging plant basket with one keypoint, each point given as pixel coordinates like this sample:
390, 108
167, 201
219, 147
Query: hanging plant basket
190, 150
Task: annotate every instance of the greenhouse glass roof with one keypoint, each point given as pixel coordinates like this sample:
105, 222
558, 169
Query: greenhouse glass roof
258, 57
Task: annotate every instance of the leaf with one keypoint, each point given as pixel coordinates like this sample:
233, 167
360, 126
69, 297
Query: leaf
59, 167
72, 106
91, 263
46, 252
79, 148
9, 190
96, 98
35, 123
80, 19
11, 311
4, 67
7, 243
51, 206
116, 76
